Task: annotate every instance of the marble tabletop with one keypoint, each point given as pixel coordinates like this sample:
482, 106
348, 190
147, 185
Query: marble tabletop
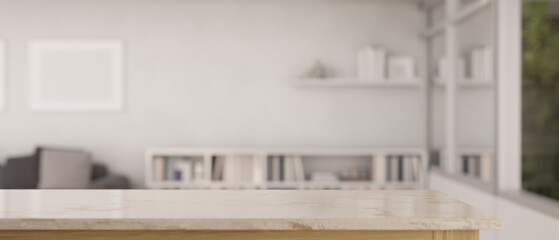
238, 210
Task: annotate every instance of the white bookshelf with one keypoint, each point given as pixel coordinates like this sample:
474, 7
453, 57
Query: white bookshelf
355, 82
313, 159
486, 166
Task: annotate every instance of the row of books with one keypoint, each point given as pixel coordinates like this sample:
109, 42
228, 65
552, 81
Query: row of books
237, 168
175, 168
282, 168
374, 64
476, 65
396, 168
477, 165
285, 168
480, 63
371, 63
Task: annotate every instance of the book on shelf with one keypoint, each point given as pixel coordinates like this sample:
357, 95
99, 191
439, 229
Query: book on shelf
393, 168
486, 167
276, 171
257, 170
159, 168
416, 167
400, 164
228, 170
399, 168
379, 168
481, 64
408, 172
471, 165
285, 168
248, 168
289, 169
465, 164
218, 163
379, 64
476, 160
240, 168
299, 171
281, 168
371, 63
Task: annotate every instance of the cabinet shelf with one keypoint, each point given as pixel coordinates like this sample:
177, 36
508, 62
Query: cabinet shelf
284, 185
355, 82
245, 168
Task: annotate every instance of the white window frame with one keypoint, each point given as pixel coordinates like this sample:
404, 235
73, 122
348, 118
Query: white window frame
509, 95
3, 77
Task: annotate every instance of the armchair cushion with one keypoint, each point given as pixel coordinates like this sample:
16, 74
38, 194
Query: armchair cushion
21, 172
64, 169
98, 171
111, 182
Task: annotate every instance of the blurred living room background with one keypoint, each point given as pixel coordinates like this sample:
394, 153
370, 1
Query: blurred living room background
459, 96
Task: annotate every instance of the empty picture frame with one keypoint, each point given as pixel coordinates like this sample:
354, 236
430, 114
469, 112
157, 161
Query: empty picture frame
3, 83
76, 75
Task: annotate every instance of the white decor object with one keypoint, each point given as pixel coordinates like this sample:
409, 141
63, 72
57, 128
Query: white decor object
478, 65
76, 75
442, 71
317, 71
185, 168
3, 93
371, 63
329, 177
482, 64
401, 68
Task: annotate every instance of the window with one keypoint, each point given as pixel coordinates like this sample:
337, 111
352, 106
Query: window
540, 98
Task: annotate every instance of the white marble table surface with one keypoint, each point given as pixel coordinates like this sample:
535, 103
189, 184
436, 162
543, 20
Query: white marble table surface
238, 210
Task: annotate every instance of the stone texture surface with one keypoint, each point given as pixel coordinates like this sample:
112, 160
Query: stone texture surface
238, 210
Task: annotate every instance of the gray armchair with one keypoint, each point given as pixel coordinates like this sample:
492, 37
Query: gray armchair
24, 173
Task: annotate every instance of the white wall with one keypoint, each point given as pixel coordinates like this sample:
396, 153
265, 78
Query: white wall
520, 222
217, 73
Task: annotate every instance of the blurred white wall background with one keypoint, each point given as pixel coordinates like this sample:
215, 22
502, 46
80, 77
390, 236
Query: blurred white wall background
218, 73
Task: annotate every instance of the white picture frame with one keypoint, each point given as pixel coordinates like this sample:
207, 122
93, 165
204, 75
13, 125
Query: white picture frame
3, 77
401, 68
76, 75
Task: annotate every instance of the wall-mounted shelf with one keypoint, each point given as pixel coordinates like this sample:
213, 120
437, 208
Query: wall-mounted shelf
466, 84
354, 82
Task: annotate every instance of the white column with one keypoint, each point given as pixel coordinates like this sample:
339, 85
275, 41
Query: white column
509, 74
452, 56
